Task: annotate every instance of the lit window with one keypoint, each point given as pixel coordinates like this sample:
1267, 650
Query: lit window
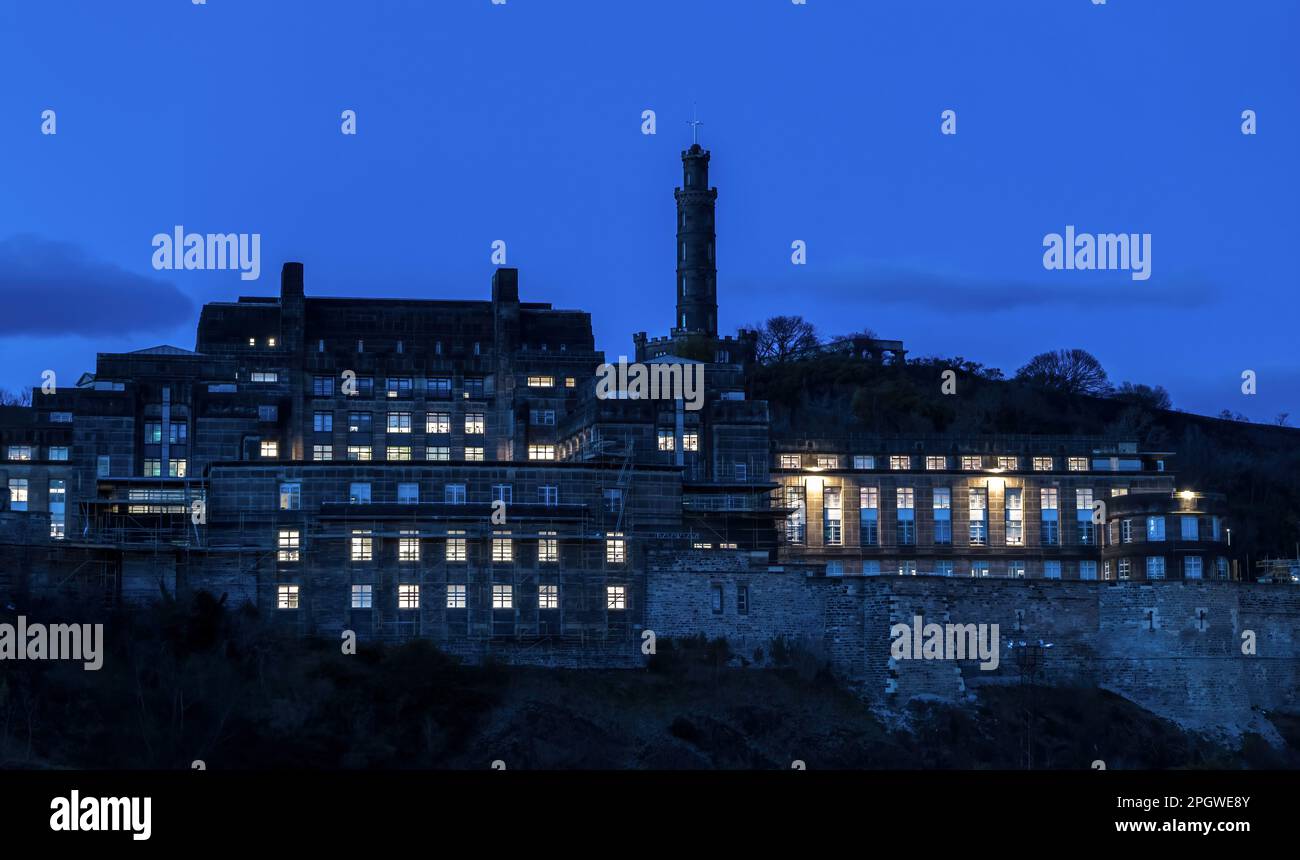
287, 544
359, 452
456, 550
58, 452
666, 440
1077, 464
290, 497
473, 454
474, 423
900, 461
502, 547
455, 597
58, 509
616, 597
690, 441
936, 463
263, 376
541, 381
547, 547
1042, 464
1155, 528
322, 452
177, 468
789, 461
503, 597
399, 422
362, 596
408, 597
971, 463
18, 494
363, 545
615, 548
270, 341
19, 452
1009, 463
541, 452
270, 448
153, 468
437, 422
252, 341
548, 597
399, 452
860, 461
569, 382
286, 597
829, 462
437, 452
1015, 516
408, 546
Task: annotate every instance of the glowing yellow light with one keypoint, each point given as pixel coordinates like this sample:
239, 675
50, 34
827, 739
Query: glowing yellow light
1187, 494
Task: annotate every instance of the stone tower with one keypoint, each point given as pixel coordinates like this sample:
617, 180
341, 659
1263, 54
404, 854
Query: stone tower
697, 272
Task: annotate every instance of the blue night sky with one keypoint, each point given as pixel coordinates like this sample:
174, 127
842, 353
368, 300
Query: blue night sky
522, 122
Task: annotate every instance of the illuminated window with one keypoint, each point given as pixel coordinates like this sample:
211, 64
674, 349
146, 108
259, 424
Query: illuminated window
616, 597
979, 516
1083, 516
363, 596
286, 597
399, 422
900, 461
828, 462
177, 468
58, 509
1042, 464
569, 382
437, 452
502, 547
789, 461
58, 452
359, 422
18, 494
456, 550
153, 468
399, 452
548, 548
1077, 464
503, 597
905, 508
287, 544
1015, 516
270, 448
270, 341
832, 517
408, 597
408, 546
322, 452
548, 597
264, 376
869, 515
541, 452
359, 452
971, 463
363, 545
615, 548
936, 463
455, 597
666, 440
860, 461
473, 454
690, 441
541, 381
1009, 463
437, 422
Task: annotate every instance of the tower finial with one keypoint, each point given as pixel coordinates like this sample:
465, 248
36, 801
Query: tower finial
695, 126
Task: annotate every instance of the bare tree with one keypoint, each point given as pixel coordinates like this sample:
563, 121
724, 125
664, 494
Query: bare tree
783, 338
1071, 371
1144, 395
1281, 419
16, 398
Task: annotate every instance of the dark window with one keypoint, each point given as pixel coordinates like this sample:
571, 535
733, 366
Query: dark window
717, 600
742, 599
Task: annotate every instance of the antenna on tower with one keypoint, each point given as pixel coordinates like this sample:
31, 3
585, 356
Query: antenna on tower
695, 126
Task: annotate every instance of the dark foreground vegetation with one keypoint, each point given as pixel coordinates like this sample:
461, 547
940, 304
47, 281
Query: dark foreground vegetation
199, 681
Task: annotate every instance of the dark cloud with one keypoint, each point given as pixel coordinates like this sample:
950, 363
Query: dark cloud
903, 287
51, 288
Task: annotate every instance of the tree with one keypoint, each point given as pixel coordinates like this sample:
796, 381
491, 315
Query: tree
1281, 419
1144, 395
783, 338
16, 398
1070, 371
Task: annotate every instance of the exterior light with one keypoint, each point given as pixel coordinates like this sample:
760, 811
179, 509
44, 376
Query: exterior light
1187, 494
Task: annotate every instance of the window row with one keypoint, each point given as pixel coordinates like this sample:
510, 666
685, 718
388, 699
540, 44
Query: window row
21, 453
455, 596
966, 462
361, 546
